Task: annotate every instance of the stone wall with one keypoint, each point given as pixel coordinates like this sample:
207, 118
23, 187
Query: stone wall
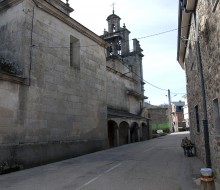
119, 81
209, 36
158, 117
59, 111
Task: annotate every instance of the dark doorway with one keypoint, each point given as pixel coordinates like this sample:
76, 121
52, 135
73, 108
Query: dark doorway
112, 125
123, 133
134, 132
145, 132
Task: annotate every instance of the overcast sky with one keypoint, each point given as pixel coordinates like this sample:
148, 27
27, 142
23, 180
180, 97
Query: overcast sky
143, 18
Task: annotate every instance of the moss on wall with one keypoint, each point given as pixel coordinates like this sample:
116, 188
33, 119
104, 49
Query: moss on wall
160, 126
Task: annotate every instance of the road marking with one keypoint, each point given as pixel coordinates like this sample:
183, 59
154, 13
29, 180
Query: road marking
112, 168
95, 178
149, 149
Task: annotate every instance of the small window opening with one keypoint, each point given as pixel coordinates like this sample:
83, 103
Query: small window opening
191, 57
74, 52
197, 118
113, 28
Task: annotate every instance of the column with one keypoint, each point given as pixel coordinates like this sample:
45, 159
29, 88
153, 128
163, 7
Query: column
117, 136
129, 135
138, 133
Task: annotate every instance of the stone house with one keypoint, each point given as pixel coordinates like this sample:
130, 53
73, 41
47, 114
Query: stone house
158, 115
60, 96
177, 116
198, 54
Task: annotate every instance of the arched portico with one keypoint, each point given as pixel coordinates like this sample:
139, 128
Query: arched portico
145, 131
135, 133
113, 134
124, 133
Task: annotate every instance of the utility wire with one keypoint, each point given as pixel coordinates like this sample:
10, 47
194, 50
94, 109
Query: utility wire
149, 82
148, 36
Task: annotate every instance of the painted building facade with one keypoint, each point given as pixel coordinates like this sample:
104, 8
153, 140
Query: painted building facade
198, 54
60, 96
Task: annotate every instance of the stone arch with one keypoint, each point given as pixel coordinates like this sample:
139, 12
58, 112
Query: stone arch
123, 133
112, 134
113, 28
134, 132
145, 131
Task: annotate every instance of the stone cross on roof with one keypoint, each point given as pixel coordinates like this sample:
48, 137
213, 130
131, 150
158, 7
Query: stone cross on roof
113, 5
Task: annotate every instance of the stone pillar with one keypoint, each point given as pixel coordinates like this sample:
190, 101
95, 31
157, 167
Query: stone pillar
117, 136
141, 133
129, 135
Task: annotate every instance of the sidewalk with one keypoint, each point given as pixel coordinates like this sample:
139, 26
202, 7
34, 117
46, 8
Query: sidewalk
197, 164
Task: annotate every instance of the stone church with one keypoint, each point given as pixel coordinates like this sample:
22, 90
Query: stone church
64, 90
125, 79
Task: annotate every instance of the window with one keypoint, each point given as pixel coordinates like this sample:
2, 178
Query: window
130, 68
216, 116
74, 53
179, 109
197, 118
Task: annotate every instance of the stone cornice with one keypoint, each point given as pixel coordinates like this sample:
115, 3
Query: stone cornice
47, 7
136, 94
121, 74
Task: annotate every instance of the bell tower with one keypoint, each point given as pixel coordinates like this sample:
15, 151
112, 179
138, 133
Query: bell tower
116, 35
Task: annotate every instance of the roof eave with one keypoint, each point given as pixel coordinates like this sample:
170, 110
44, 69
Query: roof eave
184, 21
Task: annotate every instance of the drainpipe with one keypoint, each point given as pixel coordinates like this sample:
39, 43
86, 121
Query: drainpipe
31, 48
205, 117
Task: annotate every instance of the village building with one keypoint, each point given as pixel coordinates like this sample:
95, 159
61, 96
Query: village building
159, 118
177, 116
64, 90
198, 54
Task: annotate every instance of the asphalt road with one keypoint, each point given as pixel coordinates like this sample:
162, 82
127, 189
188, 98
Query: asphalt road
157, 164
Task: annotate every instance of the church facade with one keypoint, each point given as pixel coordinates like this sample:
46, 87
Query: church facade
125, 86
60, 95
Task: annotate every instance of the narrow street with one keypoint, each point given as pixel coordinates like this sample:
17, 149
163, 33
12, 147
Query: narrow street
157, 164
